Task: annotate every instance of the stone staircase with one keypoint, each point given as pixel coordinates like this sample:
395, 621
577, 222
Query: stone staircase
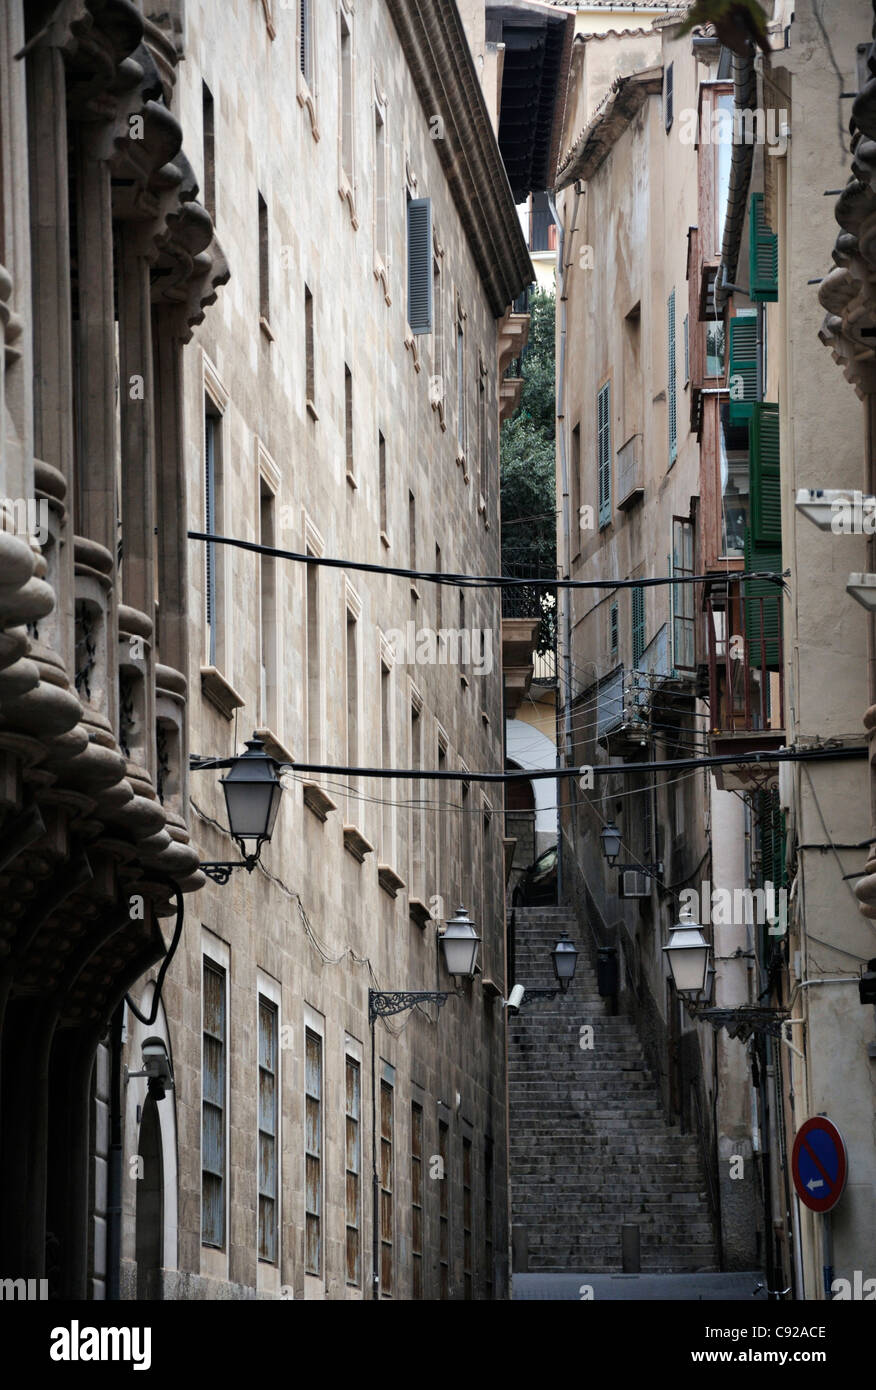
591, 1148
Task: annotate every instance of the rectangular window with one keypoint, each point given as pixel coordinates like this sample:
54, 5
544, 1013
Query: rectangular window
346, 96
416, 1200
465, 836
305, 41
439, 590
314, 676
388, 784
213, 509
354, 1171
213, 1160
268, 610
671, 395
612, 630
441, 838
488, 1218
443, 1213
381, 469
381, 235
437, 385
483, 458
420, 293
686, 349
603, 451
208, 123
348, 424
309, 349
417, 813
313, 1152
637, 599
412, 532
575, 491
668, 96
386, 1188
268, 1134
264, 262
460, 387
683, 595
466, 1219
352, 749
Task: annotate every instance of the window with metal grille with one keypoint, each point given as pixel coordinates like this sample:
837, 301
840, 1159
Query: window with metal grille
443, 1214
683, 595
305, 41
488, 1218
603, 450
420, 267
386, 1188
416, 1200
466, 1219
354, 1171
213, 1103
268, 1130
637, 599
313, 1153
672, 395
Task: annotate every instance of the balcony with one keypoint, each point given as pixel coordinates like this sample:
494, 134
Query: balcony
746, 682
630, 480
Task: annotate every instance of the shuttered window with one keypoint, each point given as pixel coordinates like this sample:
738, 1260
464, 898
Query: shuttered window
765, 485
612, 630
603, 452
672, 392
420, 305
762, 601
305, 41
313, 1152
386, 1187
668, 96
210, 429
267, 1130
743, 367
354, 1171
213, 1106
416, 1200
637, 596
763, 254
683, 595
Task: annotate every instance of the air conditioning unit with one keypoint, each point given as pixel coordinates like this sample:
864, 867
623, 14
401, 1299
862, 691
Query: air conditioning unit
634, 884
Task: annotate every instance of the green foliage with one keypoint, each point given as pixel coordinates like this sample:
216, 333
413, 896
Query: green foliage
528, 473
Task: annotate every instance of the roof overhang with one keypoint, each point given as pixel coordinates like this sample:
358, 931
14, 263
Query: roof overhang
538, 47
435, 44
615, 113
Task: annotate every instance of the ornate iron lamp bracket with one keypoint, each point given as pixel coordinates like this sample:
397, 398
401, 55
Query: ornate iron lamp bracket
384, 1003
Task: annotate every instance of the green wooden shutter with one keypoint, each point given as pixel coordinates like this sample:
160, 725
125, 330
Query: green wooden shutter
603, 450
743, 367
768, 558
765, 483
673, 400
763, 254
638, 624
420, 265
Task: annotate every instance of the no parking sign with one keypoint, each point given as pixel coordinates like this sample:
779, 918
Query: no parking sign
819, 1164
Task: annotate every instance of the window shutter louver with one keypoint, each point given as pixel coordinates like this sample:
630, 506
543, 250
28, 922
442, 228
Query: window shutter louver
673, 401
603, 425
763, 254
638, 625
765, 481
668, 97
420, 307
743, 368
304, 39
762, 621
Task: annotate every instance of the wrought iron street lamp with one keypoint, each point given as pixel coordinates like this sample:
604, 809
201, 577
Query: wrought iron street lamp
611, 847
460, 943
252, 798
565, 959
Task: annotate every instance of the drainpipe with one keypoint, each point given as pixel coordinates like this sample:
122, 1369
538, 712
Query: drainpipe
741, 161
566, 752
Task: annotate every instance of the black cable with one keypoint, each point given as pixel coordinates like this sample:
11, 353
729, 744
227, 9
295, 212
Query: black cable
469, 581
165, 964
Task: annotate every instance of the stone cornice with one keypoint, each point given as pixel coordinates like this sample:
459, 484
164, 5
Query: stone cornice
611, 118
436, 47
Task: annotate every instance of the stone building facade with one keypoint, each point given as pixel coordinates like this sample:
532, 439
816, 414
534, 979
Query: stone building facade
341, 400
319, 422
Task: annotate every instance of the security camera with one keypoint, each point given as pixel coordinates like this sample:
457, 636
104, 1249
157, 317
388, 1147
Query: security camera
156, 1068
515, 998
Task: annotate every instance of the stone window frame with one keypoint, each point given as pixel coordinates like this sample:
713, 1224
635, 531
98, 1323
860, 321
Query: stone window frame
412, 342
269, 989
389, 822
308, 86
214, 1262
438, 379
347, 177
382, 258
314, 1022
217, 677
460, 319
483, 439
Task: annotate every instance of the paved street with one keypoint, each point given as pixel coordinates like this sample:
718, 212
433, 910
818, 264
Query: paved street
688, 1288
